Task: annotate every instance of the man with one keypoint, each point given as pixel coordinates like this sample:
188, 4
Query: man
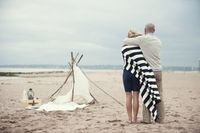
151, 46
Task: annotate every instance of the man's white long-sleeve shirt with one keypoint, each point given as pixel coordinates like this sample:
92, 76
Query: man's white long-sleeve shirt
150, 46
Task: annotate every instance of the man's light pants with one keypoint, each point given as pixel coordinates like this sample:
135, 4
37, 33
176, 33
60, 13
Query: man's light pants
160, 106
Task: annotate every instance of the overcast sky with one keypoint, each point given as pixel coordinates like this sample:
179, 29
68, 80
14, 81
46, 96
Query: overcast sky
45, 31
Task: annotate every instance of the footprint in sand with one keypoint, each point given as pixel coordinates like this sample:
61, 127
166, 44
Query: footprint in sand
98, 122
180, 128
122, 125
168, 127
111, 121
176, 115
193, 98
191, 119
12, 121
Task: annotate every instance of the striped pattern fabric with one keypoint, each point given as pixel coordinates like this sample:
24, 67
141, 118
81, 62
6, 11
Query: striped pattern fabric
135, 62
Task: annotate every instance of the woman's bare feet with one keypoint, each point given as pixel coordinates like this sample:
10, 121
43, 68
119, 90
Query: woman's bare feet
130, 122
134, 120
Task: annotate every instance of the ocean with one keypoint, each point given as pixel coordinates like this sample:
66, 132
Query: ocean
64, 68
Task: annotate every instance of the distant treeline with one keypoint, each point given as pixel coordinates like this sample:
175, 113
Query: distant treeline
8, 74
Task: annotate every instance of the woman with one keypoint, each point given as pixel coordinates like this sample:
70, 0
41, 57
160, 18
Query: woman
131, 86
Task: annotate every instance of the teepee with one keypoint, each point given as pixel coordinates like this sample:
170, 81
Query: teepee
78, 96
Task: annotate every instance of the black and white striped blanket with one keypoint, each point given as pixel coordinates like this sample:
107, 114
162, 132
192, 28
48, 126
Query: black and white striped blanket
135, 62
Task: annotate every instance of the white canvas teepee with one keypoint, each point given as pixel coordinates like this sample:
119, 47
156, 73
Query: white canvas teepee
79, 95
81, 90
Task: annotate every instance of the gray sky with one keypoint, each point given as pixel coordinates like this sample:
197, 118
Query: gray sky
45, 31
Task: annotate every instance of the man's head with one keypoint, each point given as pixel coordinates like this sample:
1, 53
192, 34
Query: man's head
149, 28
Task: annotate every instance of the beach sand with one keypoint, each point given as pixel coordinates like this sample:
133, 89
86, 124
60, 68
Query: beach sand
181, 97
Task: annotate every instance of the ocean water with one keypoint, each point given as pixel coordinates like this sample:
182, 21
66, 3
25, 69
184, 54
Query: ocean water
7, 78
31, 68
64, 68
27, 70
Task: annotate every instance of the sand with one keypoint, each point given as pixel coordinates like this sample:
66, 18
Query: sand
181, 97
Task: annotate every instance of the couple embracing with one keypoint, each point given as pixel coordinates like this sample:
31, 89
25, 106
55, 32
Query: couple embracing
142, 75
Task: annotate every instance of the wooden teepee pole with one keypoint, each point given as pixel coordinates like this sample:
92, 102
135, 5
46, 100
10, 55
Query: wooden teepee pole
61, 85
69, 74
73, 61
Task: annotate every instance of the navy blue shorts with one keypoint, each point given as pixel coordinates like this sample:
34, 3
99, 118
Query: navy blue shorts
131, 83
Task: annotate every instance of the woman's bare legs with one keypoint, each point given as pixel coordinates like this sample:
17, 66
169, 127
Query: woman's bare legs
129, 105
135, 97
